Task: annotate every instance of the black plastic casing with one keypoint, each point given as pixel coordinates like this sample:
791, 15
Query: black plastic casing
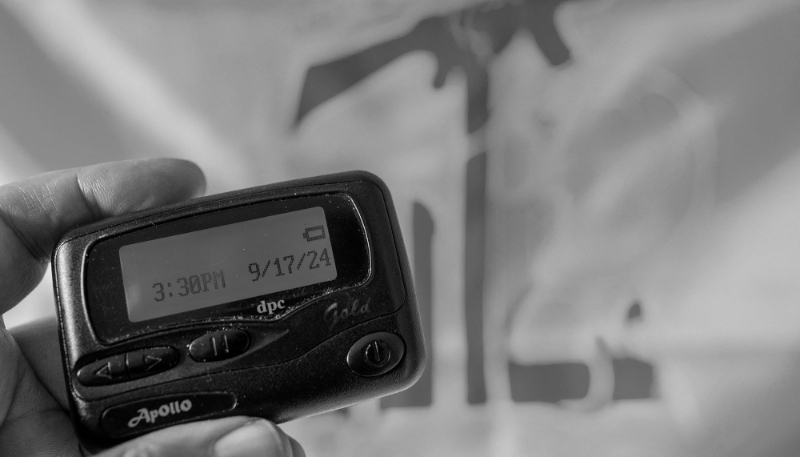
296, 363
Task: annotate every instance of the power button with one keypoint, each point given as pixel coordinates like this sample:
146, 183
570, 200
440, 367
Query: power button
376, 354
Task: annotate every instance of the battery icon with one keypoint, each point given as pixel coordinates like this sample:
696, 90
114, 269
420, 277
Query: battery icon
314, 233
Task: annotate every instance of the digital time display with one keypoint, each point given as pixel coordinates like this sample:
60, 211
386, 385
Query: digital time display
232, 262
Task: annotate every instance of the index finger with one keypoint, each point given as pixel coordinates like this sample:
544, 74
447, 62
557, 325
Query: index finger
35, 212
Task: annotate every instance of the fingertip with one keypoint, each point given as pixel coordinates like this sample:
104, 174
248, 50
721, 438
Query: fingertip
297, 450
237, 436
257, 438
192, 173
120, 187
194, 438
185, 177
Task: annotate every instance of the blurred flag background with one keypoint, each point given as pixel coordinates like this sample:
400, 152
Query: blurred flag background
600, 197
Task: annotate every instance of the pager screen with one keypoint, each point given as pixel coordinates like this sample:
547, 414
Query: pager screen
232, 262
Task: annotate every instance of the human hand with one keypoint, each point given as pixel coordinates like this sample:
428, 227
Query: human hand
34, 418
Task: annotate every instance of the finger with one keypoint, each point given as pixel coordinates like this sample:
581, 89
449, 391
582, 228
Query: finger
228, 437
35, 212
38, 341
297, 450
31, 423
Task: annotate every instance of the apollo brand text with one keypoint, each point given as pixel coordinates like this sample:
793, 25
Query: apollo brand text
168, 409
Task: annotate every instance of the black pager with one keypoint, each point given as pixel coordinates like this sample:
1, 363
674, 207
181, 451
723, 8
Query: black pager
278, 301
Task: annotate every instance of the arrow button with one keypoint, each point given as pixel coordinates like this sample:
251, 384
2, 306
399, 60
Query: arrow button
147, 362
104, 371
151, 361
109, 370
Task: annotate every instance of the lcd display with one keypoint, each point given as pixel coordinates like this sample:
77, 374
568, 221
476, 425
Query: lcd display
232, 262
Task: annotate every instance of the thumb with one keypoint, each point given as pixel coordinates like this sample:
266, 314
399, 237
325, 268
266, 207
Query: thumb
35, 212
228, 437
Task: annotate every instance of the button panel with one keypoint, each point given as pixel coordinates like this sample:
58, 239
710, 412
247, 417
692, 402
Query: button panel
376, 354
220, 345
126, 367
144, 415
